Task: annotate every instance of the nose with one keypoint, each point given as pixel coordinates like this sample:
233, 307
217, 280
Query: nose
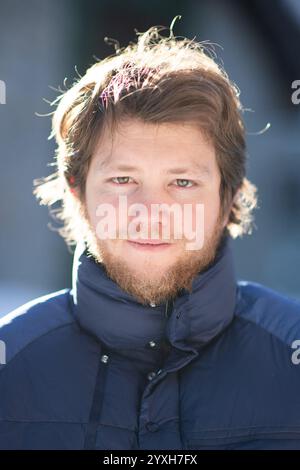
151, 207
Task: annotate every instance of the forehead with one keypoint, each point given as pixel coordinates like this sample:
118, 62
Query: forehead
135, 141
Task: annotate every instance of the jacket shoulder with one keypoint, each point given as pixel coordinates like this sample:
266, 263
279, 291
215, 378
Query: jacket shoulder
32, 320
269, 309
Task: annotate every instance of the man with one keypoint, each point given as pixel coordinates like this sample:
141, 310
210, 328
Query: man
156, 345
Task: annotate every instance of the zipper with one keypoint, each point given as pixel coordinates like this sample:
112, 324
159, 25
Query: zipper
98, 397
169, 308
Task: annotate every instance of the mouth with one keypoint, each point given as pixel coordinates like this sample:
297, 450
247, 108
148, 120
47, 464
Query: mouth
150, 245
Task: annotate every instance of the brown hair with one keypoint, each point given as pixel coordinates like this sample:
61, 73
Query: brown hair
158, 80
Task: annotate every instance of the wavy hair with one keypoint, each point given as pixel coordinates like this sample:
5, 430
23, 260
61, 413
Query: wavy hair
156, 79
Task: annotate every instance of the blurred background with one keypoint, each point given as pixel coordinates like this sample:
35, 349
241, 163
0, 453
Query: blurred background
41, 43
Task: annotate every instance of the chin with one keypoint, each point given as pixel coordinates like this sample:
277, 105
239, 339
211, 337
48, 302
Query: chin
149, 268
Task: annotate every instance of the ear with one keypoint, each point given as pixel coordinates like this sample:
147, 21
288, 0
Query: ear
73, 189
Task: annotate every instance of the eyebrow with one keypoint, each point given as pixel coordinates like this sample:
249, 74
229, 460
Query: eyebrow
199, 168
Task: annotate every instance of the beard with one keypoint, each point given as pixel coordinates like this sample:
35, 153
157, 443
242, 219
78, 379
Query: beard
163, 286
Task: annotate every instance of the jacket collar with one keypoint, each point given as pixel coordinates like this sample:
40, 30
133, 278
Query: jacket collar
120, 322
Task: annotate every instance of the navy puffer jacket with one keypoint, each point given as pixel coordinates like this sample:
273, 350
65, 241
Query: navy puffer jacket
92, 368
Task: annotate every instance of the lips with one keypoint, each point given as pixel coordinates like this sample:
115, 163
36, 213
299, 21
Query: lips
150, 245
149, 242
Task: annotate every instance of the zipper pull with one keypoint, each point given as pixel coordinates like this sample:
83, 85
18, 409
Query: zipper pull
168, 308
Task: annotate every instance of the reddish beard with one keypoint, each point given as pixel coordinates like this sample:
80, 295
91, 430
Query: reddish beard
178, 276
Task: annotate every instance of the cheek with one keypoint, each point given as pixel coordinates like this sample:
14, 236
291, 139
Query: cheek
212, 210
94, 201
209, 212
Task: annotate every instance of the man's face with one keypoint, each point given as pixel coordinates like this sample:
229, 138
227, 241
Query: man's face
154, 164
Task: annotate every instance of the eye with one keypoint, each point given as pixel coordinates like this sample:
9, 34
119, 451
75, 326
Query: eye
183, 183
121, 179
